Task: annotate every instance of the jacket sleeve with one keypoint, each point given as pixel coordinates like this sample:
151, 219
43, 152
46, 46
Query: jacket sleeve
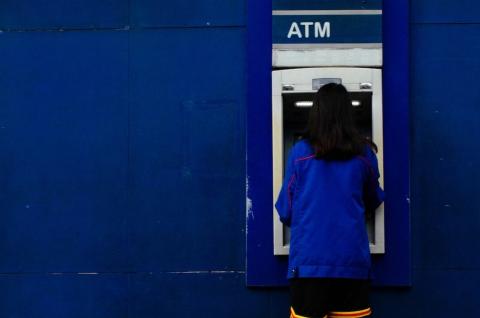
285, 198
373, 193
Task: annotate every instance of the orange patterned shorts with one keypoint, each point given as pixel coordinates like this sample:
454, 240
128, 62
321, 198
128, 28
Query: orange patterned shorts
338, 314
329, 298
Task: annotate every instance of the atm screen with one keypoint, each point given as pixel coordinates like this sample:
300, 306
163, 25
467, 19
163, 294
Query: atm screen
295, 118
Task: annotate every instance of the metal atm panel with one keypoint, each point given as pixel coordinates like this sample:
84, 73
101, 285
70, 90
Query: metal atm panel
292, 93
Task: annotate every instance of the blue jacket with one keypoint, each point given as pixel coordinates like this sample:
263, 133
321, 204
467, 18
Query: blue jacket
324, 203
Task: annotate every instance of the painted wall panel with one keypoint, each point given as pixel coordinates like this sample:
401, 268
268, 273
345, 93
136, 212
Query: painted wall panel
446, 153
187, 149
203, 295
444, 11
434, 294
52, 14
63, 120
67, 295
152, 13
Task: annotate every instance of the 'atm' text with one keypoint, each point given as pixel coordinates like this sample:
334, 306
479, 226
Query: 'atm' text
309, 29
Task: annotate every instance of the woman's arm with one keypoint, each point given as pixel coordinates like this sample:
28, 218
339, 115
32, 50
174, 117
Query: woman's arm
373, 193
285, 198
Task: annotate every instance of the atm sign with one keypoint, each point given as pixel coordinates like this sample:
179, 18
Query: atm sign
333, 28
307, 29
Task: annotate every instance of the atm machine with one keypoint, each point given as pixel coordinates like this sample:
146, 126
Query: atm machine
312, 48
292, 95
312, 43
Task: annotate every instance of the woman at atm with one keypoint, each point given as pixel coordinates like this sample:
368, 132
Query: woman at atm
331, 185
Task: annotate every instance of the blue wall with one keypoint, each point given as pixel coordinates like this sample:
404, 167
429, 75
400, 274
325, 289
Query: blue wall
112, 161
445, 121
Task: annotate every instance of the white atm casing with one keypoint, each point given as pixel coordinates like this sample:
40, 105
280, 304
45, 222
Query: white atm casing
299, 80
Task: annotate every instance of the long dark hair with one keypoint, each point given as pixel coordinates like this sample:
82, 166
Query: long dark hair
331, 129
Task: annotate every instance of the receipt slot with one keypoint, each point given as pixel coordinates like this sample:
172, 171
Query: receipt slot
292, 96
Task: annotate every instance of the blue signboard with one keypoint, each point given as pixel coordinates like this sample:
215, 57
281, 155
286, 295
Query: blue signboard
317, 27
327, 4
